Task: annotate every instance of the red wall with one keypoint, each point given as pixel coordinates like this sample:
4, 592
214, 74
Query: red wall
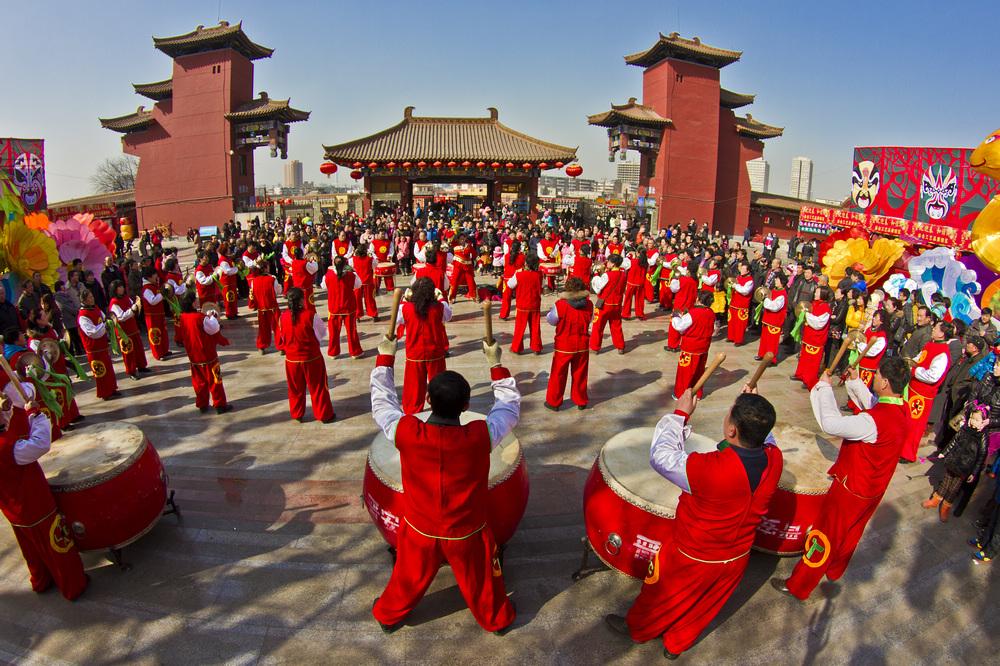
186, 175
727, 185
750, 149
783, 223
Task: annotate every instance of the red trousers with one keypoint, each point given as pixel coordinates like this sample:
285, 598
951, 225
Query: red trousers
562, 364
666, 296
206, 378
104, 372
463, 276
390, 282
505, 299
607, 315
267, 326
920, 412
738, 320
415, 378
178, 335
770, 337
473, 562
230, 296
832, 540
311, 375
810, 361
135, 357
684, 600
51, 556
633, 292
525, 319
350, 323
649, 289
159, 339
365, 296
690, 368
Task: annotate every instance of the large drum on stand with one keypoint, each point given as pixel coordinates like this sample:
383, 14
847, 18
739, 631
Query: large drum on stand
109, 483
385, 269
628, 508
508, 485
801, 491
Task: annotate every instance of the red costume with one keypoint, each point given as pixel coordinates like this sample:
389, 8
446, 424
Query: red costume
206, 286
228, 286
547, 253
95, 343
696, 329
432, 273
343, 310
529, 309
571, 317
176, 282
201, 337
154, 309
609, 288
649, 289
875, 344
133, 351
775, 311
635, 291
926, 377
304, 277
425, 348
739, 309
511, 265
304, 365
685, 290
264, 299
581, 268
287, 254
364, 296
63, 394
615, 248
382, 250
342, 248
666, 274
463, 272
814, 334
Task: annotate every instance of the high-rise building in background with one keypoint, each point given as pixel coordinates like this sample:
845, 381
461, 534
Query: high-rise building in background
760, 174
628, 173
802, 178
293, 174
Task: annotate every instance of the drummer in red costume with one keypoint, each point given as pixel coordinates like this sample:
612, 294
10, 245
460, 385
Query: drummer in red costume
364, 267
175, 281
302, 331
445, 466
872, 444
685, 290
304, 276
201, 337
94, 335
342, 246
581, 263
227, 283
423, 316
696, 328
27, 502
652, 260
928, 374
814, 334
205, 279
609, 287
464, 273
40, 329
124, 311
381, 250
773, 318
154, 308
264, 290
287, 255
528, 283
635, 289
513, 261
547, 250
341, 286
725, 494
739, 305
571, 315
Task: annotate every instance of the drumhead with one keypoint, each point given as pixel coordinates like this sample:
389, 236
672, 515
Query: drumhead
383, 456
91, 455
385, 264
807, 456
624, 463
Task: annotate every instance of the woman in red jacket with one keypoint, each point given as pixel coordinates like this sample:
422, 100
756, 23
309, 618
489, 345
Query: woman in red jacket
635, 286
512, 263
341, 283
423, 316
775, 311
364, 267
528, 282
302, 331
571, 316
124, 311
814, 333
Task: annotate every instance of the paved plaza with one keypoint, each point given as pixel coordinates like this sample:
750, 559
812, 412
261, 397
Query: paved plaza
276, 561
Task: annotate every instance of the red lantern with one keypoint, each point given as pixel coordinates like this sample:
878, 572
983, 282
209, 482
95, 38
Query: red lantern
574, 170
328, 168
288, 202
437, 164
391, 165
480, 165
495, 165
559, 165
543, 165
452, 165
357, 165
357, 175
509, 165
466, 164
373, 165
421, 164
526, 165
407, 165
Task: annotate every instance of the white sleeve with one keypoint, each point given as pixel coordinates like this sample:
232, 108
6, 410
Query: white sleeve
512, 282
743, 289
710, 280
445, 283
447, 310
859, 393
203, 278
122, 315
228, 269
15, 397
312, 267
682, 322
211, 325
626, 263
552, 316
33, 345
877, 346
287, 258
179, 288
150, 297
90, 329
319, 328
775, 305
675, 285
277, 287
506, 411
666, 453
860, 428
540, 252
248, 262
817, 321
932, 374
386, 408
37, 443
350, 250
418, 253
598, 282
357, 281
652, 260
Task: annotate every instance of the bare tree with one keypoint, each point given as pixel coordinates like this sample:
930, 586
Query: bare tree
115, 174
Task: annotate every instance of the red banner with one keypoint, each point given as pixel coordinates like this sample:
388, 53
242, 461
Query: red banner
912, 231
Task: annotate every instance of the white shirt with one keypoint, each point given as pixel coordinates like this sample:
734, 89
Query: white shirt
936, 370
682, 322
552, 316
387, 411
120, 314
179, 289
710, 280
817, 322
774, 305
204, 278
210, 324
877, 345
666, 453
37, 443
859, 427
312, 267
150, 296
319, 328
227, 269
743, 289
599, 282
90, 329
675, 285
445, 316
418, 252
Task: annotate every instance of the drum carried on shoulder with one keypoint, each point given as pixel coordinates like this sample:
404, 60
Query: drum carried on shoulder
109, 483
508, 485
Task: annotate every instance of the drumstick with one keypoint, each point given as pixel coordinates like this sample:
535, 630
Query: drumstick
13, 379
397, 296
761, 367
713, 366
840, 353
488, 322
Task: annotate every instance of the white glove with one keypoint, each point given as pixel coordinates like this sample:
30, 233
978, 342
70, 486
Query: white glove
493, 353
387, 347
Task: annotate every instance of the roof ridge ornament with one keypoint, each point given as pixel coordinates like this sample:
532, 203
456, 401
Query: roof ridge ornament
408, 112
494, 114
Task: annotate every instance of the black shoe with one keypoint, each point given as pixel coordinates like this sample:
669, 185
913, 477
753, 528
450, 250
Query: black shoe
225, 408
263, 351
551, 407
904, 461
621, 351
167, 355
79, 418
203, 410
667, 654
506, 630
116, 394
758, 358
780, 586
68, 427
617, 624
144, 370
134, 378
300, 419
331, 419
537, 353
387, 628
581, 407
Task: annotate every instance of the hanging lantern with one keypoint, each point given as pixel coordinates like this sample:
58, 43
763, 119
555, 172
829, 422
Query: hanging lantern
559, 165
452, 165
127, 232
357, 165
373, 165
543, 165
357, 175
526, 165
466, 164
391, 165
510, 165
407, 165
421, 164
480, 165
437, 164
495, 165
574, 170
328, 168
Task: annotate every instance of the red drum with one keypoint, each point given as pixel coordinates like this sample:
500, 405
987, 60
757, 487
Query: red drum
508, 485
109, 484
418, 266
550, 268
628, 508
384, 268
803, 486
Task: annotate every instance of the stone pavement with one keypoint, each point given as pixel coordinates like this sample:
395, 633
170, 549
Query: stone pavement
275, 560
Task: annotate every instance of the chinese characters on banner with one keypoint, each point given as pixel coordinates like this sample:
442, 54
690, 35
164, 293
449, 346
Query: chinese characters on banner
922, 233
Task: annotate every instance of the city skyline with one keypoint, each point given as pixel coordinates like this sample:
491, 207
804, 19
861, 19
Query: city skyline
800, 186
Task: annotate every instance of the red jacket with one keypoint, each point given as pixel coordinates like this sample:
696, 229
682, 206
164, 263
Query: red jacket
25, 497
425, 336
263, 298
509, 267
776, 319
572, 329
738, 300
529, 290
685, 296
302, 278
199, 345
927, 354
698, 338
636, 275
581, 268
129, 326
871, 362
613, 291
433, 272
382, 250
298, 337
364, 267
866, 469
340, 293
811, 336
90, 345
548, 248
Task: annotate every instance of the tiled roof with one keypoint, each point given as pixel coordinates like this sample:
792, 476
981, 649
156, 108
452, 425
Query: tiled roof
449, 139
632, 112
133, 122
208, 39
675, 46
156, 91
264, 107
780, 202
734, 100
754, 128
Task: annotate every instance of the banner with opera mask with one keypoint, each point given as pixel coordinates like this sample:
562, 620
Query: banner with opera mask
22, 161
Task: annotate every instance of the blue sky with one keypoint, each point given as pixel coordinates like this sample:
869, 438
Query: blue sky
834, 74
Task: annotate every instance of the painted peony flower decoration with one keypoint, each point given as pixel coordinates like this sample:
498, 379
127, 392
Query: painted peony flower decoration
873, 260
37, 221
24, 251
75, 240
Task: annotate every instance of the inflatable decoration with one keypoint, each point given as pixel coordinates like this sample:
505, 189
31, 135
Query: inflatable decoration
986, 229
25, 251
873, 260
937, 270
37, 221
75, 240
104, 233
